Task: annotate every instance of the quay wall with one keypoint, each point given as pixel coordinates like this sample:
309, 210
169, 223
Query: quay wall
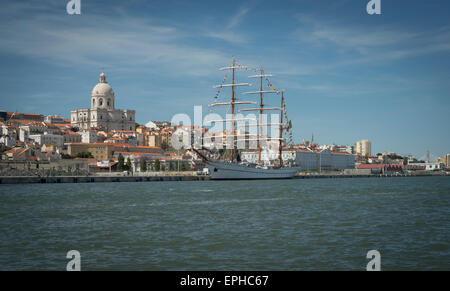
96, 179
107, 179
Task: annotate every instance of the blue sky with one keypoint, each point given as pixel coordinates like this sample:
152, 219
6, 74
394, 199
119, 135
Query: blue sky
347, 75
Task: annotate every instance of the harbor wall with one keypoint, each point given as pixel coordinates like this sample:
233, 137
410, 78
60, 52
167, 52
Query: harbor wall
108, 179
96, 179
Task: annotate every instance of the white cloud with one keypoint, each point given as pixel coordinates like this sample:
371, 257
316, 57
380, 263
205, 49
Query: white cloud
96, 40
237, 18
371, 44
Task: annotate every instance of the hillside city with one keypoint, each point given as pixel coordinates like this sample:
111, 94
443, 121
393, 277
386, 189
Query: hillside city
103, 140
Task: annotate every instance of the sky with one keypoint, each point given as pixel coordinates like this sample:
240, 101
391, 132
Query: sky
347, 75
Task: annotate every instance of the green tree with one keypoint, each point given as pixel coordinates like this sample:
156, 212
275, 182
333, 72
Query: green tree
143, 165
183, 166
171, 166
84, 155
129, 168
157, 165
163, 167
120, 165
66, 157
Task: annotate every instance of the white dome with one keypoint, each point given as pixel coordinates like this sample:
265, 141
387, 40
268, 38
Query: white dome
102, 90
102, 95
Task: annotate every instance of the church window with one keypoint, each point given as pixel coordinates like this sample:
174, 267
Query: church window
100, 102
109, 101
93, 102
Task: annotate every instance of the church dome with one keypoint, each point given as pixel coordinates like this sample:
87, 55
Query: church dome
102, 95
102, 89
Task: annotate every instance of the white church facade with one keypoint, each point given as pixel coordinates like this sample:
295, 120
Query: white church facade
102, 112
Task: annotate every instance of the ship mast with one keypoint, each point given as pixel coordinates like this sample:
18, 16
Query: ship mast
233, 99
281, 129
233, 102
261, 106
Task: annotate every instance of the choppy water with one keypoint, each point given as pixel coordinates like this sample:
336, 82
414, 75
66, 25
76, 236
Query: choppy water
317, 224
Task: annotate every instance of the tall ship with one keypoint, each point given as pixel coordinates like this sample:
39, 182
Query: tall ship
231, 167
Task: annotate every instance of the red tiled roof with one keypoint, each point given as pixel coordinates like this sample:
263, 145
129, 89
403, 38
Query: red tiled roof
146, 147
27, 122
339, 152
136, 154
115, 145
89, 160
72, 132
15, 151
123, 131
17, 113
92, 144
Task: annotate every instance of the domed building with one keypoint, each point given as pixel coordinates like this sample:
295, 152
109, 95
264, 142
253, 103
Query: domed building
102, 112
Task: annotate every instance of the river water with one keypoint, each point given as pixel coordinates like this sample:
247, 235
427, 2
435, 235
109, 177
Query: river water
301, 224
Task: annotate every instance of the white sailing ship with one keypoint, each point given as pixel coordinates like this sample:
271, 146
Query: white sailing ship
234, 169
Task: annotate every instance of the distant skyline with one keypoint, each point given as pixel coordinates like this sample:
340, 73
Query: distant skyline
347, 75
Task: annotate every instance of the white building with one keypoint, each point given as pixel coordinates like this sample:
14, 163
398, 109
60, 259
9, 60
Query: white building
46, 138
338, 148
7, 130
363, 147
102, 112
151, 125
90, 136
8, 141
71, 137
54, 119
434, 166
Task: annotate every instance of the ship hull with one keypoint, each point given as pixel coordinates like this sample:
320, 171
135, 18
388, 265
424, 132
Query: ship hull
230, 171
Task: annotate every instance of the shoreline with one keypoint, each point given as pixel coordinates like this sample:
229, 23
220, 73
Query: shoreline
118, 179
